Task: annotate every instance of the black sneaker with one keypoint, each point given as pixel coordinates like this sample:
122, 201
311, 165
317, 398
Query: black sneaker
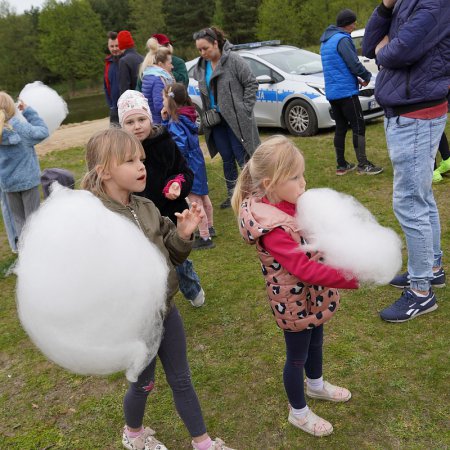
369, 169
409, 306
212, 232
402, 280
203, 244
342, 170
226, 204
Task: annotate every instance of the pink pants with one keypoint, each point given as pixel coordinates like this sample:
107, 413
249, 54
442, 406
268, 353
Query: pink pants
207, 221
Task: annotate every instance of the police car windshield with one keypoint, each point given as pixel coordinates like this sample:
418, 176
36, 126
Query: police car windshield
295, 61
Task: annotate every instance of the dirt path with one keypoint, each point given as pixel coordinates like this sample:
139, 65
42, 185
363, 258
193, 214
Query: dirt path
72, 135
77, 135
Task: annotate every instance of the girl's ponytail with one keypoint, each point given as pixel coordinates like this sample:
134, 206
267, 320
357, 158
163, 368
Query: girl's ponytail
243, 188
177, 96
7, 110
2, 122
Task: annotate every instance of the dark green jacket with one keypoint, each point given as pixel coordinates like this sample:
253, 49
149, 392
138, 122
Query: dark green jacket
179, 70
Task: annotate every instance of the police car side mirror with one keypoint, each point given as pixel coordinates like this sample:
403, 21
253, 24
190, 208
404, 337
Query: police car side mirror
265, 79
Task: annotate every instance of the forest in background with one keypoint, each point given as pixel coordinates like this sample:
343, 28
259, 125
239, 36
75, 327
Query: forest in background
64, 42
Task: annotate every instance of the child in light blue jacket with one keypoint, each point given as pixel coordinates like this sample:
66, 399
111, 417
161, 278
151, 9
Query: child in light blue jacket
20, 175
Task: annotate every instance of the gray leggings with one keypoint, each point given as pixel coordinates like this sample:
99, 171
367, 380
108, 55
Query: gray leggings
172, 353
22, 204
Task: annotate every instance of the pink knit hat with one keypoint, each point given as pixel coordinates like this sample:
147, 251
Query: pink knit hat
132, 102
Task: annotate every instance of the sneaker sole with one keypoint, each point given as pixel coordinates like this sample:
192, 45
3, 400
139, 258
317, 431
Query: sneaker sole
439, 286
432, 308
339, 174
321, 397
296, 425
369, 173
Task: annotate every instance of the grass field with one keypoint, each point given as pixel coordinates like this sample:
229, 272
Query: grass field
398, 373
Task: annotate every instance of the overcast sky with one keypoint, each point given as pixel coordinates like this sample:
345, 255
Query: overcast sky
21, 5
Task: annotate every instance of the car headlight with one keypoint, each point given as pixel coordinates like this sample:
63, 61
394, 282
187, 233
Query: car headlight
318, 88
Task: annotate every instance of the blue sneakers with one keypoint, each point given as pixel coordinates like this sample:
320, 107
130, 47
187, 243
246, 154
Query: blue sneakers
409, 306
402, 281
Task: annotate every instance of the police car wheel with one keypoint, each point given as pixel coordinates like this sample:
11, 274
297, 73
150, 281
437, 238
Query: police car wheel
300, 118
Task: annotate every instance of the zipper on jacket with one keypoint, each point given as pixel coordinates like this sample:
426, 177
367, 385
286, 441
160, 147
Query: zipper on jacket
133, 213
235, 113
408, 90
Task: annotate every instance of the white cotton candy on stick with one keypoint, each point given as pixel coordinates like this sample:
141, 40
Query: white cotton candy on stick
46, 101
349, 236
91, 288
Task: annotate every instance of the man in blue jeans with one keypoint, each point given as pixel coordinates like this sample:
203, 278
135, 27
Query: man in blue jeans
411, 43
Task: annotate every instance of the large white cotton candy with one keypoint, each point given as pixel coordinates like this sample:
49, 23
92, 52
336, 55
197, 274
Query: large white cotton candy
349, 236
91, 288
46, 101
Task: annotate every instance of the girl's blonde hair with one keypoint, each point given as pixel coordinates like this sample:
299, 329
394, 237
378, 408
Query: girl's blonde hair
156, 54
104, 148
7, 110
276, 160
177, 97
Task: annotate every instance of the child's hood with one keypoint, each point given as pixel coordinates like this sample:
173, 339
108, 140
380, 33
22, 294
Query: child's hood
257, 218
188, 112
10, 135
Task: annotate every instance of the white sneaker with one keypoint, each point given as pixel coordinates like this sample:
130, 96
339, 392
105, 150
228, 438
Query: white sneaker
199, 300
311, 423
146, 441
217, 444
330, 392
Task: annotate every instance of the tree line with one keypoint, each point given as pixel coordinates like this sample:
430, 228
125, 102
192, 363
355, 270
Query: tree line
65, 41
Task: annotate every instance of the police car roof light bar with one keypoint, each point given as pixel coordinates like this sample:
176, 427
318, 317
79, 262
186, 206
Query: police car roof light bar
255, 44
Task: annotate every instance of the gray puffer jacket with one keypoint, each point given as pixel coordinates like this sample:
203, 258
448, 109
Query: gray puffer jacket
236, 97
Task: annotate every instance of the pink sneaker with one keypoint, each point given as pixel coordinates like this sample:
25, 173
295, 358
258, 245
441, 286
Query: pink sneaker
146, 441
217, 444
311, 423
330, 392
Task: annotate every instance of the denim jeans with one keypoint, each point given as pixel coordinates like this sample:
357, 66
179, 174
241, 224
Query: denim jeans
9, 222
231, 150
412, 145
188, 280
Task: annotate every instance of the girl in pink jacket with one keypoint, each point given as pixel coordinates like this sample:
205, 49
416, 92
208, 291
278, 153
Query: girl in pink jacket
265, 200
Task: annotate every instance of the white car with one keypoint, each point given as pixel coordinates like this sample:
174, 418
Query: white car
291, 91
369, 64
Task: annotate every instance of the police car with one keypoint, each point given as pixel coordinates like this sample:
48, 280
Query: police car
291, 92
368, 63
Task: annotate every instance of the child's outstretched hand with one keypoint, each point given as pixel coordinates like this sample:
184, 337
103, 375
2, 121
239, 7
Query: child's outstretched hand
174, 191
188, 220
21, 106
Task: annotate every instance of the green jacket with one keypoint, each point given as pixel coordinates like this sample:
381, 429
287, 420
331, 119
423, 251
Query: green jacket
179, 70
159, 230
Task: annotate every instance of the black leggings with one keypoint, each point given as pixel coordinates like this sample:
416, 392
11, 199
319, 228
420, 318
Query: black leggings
303, 349
348, 111
172, 353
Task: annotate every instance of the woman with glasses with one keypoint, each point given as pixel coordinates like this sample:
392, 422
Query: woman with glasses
228, 88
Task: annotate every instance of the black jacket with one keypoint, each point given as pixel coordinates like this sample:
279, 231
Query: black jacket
164, 162
128, 69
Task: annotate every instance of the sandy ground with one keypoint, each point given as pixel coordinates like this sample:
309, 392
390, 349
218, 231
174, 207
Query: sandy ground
72, 135
77, 135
